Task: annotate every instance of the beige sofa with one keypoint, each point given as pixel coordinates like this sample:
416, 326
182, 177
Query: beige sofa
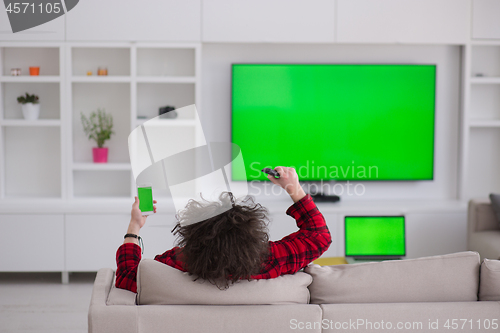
417, 295
483, 230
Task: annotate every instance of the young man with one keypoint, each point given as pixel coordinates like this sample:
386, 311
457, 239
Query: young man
233, 245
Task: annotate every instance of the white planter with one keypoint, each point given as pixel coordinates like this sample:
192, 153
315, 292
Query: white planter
31, 111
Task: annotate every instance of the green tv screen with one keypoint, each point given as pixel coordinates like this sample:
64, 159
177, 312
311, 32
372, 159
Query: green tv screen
375, 236
335, 122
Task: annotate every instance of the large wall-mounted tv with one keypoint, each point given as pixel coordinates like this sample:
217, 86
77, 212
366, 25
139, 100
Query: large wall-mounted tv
335, 121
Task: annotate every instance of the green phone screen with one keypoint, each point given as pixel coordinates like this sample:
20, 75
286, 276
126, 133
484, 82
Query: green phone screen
145, 199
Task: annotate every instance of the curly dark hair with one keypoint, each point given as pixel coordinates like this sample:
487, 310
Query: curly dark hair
225, 248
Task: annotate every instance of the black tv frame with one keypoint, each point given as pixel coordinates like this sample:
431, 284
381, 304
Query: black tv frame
361, 64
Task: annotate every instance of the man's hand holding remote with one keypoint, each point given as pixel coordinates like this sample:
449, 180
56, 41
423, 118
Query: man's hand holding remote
289, 181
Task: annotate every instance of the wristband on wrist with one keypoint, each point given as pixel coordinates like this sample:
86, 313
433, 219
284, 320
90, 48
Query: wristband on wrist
141, 244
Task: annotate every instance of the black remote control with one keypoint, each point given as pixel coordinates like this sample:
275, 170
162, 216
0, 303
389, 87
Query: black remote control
271, 172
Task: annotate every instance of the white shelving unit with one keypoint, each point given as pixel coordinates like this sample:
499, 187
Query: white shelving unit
480, 143
142, 77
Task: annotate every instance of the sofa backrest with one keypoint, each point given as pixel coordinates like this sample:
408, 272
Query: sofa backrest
158, 283
446, 278
489, 288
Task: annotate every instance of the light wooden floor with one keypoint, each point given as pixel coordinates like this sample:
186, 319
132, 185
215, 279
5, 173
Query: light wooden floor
38, 302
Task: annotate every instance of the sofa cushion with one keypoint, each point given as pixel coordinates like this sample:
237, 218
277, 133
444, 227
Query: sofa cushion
489, 287
230, 319
158, 283
446, 278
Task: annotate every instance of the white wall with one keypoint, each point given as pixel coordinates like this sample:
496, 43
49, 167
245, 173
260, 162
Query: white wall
485, 22
268, 21
400, 21
126, 20
216, 99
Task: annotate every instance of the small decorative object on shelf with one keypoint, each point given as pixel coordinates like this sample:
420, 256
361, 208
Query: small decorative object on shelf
479, 75
15, 71
102, 71
98, 126
30, 106
34, 71
89, 73
167, 112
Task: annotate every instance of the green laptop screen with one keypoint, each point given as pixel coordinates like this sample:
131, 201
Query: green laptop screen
335, 122
374, 236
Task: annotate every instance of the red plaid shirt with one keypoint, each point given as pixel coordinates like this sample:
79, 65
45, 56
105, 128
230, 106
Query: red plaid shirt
286, 256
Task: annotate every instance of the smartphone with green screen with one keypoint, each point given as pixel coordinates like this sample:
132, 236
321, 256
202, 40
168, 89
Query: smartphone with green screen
145, 194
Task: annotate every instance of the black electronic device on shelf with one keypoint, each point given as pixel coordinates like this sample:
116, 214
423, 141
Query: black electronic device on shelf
320, 197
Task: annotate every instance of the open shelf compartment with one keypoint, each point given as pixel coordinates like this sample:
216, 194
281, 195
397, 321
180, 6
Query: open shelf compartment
48, 93
114, 98
485, 102
32, 162
85, 59
165, 62
47, 58
485, 61
152, 96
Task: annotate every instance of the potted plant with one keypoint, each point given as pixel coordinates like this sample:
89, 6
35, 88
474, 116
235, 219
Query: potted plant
30, 106
98, 126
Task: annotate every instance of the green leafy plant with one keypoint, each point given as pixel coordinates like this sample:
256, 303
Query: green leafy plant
28, 99
98, 126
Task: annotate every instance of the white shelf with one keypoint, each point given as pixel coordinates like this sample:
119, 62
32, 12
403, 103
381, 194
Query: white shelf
485, 80
168, 122
486, 42
166, 79
101, 166
27, 78
103, 78
484, 123
23, 122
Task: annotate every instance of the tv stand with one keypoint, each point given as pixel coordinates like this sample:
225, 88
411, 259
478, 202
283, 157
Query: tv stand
320, 197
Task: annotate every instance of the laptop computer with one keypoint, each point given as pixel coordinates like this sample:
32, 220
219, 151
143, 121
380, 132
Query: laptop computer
374, 238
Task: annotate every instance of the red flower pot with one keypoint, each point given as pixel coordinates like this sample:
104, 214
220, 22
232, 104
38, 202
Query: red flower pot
100, 155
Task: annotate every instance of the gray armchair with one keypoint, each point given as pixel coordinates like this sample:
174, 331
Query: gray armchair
483, 229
